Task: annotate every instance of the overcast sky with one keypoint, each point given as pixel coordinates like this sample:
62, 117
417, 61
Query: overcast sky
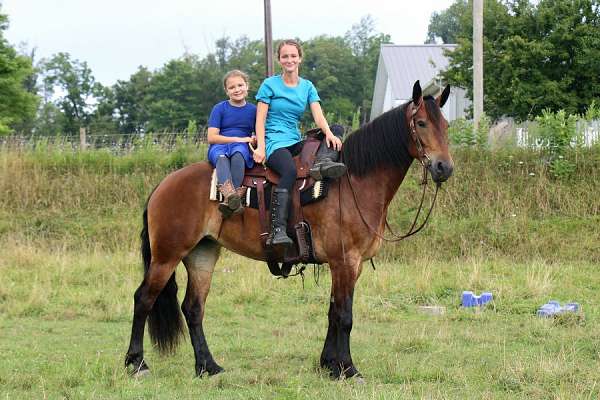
116, 36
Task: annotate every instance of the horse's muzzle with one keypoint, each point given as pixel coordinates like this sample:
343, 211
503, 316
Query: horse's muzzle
441, 170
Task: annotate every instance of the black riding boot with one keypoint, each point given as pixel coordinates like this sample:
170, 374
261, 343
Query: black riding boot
279, 216
326, 165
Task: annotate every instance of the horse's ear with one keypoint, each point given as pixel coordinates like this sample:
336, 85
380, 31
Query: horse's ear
441, 100
417, 93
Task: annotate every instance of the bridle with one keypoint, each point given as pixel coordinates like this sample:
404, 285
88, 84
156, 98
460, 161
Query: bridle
422, 155
425, 161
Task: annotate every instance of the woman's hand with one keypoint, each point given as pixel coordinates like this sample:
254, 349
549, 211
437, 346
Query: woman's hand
259, 155
333, 141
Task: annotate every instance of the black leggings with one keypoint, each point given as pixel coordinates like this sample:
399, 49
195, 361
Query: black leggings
282, 162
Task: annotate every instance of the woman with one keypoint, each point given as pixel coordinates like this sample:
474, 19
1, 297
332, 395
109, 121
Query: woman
230, 129
282, 99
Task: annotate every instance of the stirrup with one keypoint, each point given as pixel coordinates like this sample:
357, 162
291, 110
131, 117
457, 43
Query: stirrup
279, 237
327, 169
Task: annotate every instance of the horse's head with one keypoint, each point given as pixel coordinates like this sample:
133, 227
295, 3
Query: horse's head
429, 132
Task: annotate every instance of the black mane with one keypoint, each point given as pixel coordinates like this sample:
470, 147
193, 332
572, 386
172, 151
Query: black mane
383, 141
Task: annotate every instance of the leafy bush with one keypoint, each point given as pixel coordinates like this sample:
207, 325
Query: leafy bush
558, 131
462, 133
593, 112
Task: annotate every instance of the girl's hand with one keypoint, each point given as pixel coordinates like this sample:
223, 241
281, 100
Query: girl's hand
333, 141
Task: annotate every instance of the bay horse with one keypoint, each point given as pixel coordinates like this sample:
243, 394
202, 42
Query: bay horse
182, 224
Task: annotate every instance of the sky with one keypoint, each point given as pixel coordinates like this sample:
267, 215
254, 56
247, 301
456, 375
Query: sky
116, 36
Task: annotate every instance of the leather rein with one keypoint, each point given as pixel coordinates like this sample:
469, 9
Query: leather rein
425, 163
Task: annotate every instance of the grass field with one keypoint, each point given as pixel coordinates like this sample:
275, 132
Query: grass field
69, 224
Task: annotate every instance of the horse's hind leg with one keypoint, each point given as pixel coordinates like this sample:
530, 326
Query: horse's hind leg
156, 278
200, 264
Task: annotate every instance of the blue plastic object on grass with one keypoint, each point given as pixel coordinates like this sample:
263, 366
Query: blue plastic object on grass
553, 307
471, 300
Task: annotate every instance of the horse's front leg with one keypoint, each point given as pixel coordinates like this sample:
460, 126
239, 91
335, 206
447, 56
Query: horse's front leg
336, 355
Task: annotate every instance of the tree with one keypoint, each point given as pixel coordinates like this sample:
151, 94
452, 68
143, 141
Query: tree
17, 105
446, 25
131, 101
536, 56
327, 63
73, 87
103, 120
366, 45
183, 90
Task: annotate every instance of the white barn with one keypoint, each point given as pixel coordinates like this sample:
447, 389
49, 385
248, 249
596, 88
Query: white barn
400, 66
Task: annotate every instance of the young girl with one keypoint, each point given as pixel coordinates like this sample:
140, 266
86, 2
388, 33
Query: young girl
282, 100
230, 129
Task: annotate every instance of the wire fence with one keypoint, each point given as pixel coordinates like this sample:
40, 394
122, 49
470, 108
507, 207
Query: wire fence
588, 134
115, 142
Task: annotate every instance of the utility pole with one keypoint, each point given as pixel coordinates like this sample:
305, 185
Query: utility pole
477, 61
268, 40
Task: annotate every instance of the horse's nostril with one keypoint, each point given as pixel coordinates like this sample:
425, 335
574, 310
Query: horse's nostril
440, 167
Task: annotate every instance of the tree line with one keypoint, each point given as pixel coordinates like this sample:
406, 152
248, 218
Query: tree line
537, 55
64, 95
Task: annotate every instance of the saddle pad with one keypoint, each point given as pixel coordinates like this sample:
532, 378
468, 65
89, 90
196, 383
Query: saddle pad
317, 192
215, 195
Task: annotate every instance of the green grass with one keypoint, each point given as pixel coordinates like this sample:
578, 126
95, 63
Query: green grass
66, 320
69, 226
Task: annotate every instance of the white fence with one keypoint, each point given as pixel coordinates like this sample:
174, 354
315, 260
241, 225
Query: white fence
588, 134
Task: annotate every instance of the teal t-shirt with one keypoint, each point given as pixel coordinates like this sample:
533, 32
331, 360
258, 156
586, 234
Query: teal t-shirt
286, 106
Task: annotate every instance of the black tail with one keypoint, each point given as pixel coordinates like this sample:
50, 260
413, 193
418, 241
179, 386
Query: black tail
164, 322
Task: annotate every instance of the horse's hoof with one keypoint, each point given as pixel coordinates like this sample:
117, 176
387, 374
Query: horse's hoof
210, 370
351, 372
360, 380
141, 373
216, 370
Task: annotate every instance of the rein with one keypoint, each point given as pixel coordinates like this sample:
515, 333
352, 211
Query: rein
425, 163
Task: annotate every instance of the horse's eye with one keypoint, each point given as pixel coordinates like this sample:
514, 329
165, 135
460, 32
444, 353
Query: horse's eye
421, 124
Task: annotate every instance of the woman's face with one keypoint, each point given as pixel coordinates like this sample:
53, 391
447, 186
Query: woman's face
289, 59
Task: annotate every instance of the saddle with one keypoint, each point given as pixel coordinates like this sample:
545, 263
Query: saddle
260, 180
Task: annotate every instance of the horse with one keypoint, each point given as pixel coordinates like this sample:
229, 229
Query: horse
181, 224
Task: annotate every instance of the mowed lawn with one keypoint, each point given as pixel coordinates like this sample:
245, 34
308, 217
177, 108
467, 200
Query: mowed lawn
65, 323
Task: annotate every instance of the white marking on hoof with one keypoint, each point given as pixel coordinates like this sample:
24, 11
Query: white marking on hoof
360, 380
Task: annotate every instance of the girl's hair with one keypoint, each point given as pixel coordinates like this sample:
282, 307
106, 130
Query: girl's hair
235, 72
290, 42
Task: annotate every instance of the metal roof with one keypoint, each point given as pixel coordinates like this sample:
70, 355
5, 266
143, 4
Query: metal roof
406, 64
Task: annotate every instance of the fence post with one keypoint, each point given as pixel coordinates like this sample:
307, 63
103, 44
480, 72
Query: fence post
82, 139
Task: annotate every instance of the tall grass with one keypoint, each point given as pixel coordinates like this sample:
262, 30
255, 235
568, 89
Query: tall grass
498, 203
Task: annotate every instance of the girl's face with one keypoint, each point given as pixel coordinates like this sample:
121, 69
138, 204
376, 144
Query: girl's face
289, 59
236, 88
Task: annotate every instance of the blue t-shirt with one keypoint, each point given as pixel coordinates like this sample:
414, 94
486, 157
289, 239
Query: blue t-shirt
232, 121
286, 106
